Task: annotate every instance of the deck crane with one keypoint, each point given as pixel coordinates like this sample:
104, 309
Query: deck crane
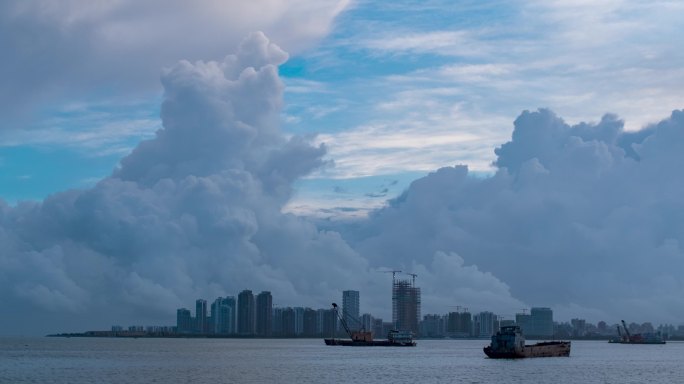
361, 335
630, 338
624, 325
342, 321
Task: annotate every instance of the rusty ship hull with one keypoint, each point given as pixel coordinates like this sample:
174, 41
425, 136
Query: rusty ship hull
369, 343
544, 349
509, 343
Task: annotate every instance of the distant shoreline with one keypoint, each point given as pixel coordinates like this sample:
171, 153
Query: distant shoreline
166, 335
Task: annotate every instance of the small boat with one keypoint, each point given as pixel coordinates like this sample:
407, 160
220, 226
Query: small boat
637, 338
363, 338
509, 343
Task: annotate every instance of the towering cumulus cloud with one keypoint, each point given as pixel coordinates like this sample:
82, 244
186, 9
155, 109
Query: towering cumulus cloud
194, 212
588, 219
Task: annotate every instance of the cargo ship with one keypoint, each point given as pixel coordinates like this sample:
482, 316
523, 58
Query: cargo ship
637, 338
509, 343
363, 338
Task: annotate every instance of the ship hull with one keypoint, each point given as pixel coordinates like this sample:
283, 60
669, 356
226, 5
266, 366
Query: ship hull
373, 343
545, 349
638, 342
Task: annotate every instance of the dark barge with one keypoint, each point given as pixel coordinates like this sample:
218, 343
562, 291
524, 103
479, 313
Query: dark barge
509, 343
363, 338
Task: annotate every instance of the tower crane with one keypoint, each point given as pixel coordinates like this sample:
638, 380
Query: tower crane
393, 272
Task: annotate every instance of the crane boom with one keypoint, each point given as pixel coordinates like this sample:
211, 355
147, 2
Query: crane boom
626, 330
356, 336
393, 272
344, 323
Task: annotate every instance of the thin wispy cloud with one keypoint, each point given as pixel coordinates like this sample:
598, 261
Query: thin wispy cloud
116, 137
449, 43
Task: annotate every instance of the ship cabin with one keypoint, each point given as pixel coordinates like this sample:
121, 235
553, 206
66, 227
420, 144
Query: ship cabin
400, 337
508, 339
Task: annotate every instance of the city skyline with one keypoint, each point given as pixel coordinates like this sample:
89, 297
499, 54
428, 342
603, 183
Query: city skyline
510, 154
298, 321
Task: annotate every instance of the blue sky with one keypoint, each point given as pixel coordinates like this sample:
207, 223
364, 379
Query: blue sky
439, 81
159, 150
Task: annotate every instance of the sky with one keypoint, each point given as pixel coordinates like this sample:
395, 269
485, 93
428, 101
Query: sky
511, 154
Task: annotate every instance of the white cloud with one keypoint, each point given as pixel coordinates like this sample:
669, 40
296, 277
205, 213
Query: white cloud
421, 130
196, 210
193, 212
585, 217
76, 49
107, 135
448, 282
453, 43
580, 59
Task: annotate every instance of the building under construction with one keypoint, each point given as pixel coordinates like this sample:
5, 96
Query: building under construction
405, 304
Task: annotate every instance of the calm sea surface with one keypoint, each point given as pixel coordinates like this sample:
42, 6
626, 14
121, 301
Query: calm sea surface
103, 360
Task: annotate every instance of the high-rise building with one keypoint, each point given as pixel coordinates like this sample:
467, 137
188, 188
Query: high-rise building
310, 323
386, 328
299, 320
184, 321
264, 314
213, 318
278, 321
405, 305
201, 325
231, 322
246, 313
377, 329
486, 324
542, 322
350, 309
433, 326
329, 323
524, 321
320, 314
367, 322
288, 327
505, 323
223, 315
578, 327
459, 324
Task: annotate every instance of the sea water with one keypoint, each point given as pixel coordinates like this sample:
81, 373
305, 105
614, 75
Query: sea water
144, 360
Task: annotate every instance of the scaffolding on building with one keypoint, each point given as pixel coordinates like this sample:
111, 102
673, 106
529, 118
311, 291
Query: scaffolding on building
405, 304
